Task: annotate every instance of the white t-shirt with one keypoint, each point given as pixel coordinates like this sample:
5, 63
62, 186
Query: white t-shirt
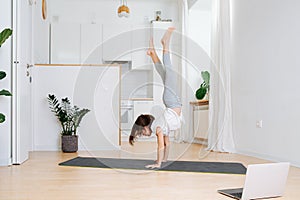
167, 119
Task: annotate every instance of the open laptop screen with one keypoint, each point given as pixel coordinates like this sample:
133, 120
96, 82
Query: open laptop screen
262, 181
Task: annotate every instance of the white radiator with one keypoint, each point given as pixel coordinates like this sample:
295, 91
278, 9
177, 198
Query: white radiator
201, 122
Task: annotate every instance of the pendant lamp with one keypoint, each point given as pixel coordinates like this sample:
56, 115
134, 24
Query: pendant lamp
123, 10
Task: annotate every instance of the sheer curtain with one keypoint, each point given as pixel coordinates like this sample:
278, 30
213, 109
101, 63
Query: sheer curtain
184, 134
220, 136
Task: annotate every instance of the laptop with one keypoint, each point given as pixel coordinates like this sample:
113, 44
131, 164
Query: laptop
262, 181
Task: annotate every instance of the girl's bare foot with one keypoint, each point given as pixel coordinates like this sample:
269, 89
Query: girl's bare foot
151, 50
166, 38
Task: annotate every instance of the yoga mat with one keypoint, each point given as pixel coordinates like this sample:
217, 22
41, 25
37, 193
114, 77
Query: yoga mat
184, 166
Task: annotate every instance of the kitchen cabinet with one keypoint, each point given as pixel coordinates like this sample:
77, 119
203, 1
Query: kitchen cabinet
91, 41
117, 42
140, 60
65, 43
140, 45
76, 43
158, 29
142, 107
41, 32
99, 129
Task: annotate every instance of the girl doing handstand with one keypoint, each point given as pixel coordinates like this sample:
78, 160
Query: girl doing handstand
171, 118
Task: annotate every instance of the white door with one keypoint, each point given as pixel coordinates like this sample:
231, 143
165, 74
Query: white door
22, 54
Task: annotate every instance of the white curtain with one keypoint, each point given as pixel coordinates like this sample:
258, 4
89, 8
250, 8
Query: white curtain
184, 134
220, 136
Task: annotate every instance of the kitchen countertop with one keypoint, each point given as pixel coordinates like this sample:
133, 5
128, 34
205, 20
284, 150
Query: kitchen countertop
142, 99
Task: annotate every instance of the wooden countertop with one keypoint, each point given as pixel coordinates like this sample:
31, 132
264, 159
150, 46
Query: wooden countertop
141, 99
199, 102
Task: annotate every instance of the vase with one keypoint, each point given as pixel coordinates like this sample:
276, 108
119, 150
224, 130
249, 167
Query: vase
69, 143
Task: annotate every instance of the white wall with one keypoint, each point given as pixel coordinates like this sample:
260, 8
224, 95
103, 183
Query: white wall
199, 33
5, 102
265, 78
200, 24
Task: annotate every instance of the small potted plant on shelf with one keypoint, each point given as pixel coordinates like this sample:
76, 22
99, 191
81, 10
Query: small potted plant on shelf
204, 87
4, 35
69, 117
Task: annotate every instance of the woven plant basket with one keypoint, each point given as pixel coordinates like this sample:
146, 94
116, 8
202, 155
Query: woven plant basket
69, 143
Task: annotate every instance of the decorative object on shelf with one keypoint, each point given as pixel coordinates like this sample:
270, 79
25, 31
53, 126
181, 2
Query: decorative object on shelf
204, 87
44, 9
69, 117
158, 16
4, 35
123, 10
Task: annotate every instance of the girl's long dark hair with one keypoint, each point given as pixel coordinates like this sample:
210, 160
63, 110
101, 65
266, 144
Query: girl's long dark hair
137, 128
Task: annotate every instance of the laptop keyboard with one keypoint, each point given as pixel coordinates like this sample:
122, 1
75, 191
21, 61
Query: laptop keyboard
237, 194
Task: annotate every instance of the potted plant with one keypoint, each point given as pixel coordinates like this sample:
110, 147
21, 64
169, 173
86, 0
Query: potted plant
204, 87
69, 117
3, 36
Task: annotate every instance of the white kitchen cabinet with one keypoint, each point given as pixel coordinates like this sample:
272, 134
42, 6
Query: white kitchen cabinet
140, 60
117, 42
157, 31
140, 45
91, 41
92, 87
142, 107
40, 35
65, 43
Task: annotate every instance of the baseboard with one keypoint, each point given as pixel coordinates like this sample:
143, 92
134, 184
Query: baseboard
202, 141
268, 157
46, 148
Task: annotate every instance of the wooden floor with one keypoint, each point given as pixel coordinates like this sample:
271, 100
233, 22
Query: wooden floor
41, 178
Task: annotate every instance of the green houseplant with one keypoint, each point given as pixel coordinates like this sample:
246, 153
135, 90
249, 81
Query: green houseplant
69, 117
204, 87
4, 35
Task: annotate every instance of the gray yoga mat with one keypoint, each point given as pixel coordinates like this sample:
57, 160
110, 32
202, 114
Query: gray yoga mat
184, 166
